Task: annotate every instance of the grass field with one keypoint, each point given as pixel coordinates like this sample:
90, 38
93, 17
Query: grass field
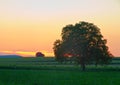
52, 77
46, 71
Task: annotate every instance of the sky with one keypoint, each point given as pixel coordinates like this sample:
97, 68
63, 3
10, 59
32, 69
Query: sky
29, 26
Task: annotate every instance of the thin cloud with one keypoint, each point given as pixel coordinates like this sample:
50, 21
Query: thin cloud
25, 53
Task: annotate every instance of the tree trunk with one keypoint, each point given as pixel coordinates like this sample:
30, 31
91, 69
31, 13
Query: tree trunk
96, 64
83, 63
83, 66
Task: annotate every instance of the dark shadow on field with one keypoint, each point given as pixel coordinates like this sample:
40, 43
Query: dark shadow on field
110, 69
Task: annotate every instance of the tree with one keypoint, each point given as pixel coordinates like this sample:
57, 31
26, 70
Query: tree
59, 50
83, 41
39, 54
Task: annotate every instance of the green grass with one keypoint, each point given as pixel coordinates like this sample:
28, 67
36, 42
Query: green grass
52, 77
46, 71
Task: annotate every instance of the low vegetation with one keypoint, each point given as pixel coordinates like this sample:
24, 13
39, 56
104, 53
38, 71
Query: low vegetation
42, 62
47, 71
52, 77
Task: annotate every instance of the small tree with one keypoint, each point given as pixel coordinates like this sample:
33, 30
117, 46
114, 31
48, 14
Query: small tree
39, 54
83, 41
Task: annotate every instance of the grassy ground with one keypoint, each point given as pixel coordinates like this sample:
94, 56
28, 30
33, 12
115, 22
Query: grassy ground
52, 77
46, 71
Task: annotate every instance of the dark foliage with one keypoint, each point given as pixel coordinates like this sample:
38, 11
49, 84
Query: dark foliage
84, 42
39, 54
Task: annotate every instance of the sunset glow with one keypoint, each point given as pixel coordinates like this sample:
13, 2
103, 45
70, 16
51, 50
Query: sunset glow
26, 54
29, 26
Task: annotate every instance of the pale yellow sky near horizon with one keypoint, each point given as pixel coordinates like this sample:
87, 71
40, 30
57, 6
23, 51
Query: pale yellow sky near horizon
28, 26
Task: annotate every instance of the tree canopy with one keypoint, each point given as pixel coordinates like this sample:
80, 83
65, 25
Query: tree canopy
39, 54
84, 42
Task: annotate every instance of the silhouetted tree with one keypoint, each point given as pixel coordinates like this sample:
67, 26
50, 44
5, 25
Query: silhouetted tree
59, 50
39, 54
83, 41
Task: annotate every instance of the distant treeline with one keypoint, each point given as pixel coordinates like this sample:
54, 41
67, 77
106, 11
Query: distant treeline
10, 56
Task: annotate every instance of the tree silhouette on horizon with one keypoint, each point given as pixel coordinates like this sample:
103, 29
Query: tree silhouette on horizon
84, 42
39, 54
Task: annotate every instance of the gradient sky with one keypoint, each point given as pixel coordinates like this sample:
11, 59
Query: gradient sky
28, 26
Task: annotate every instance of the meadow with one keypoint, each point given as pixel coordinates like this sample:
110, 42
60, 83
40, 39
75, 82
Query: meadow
46, 71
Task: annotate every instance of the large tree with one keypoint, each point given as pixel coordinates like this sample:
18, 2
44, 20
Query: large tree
84, 42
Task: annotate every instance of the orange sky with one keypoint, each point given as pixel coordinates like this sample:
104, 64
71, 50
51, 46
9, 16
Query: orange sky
28, 26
